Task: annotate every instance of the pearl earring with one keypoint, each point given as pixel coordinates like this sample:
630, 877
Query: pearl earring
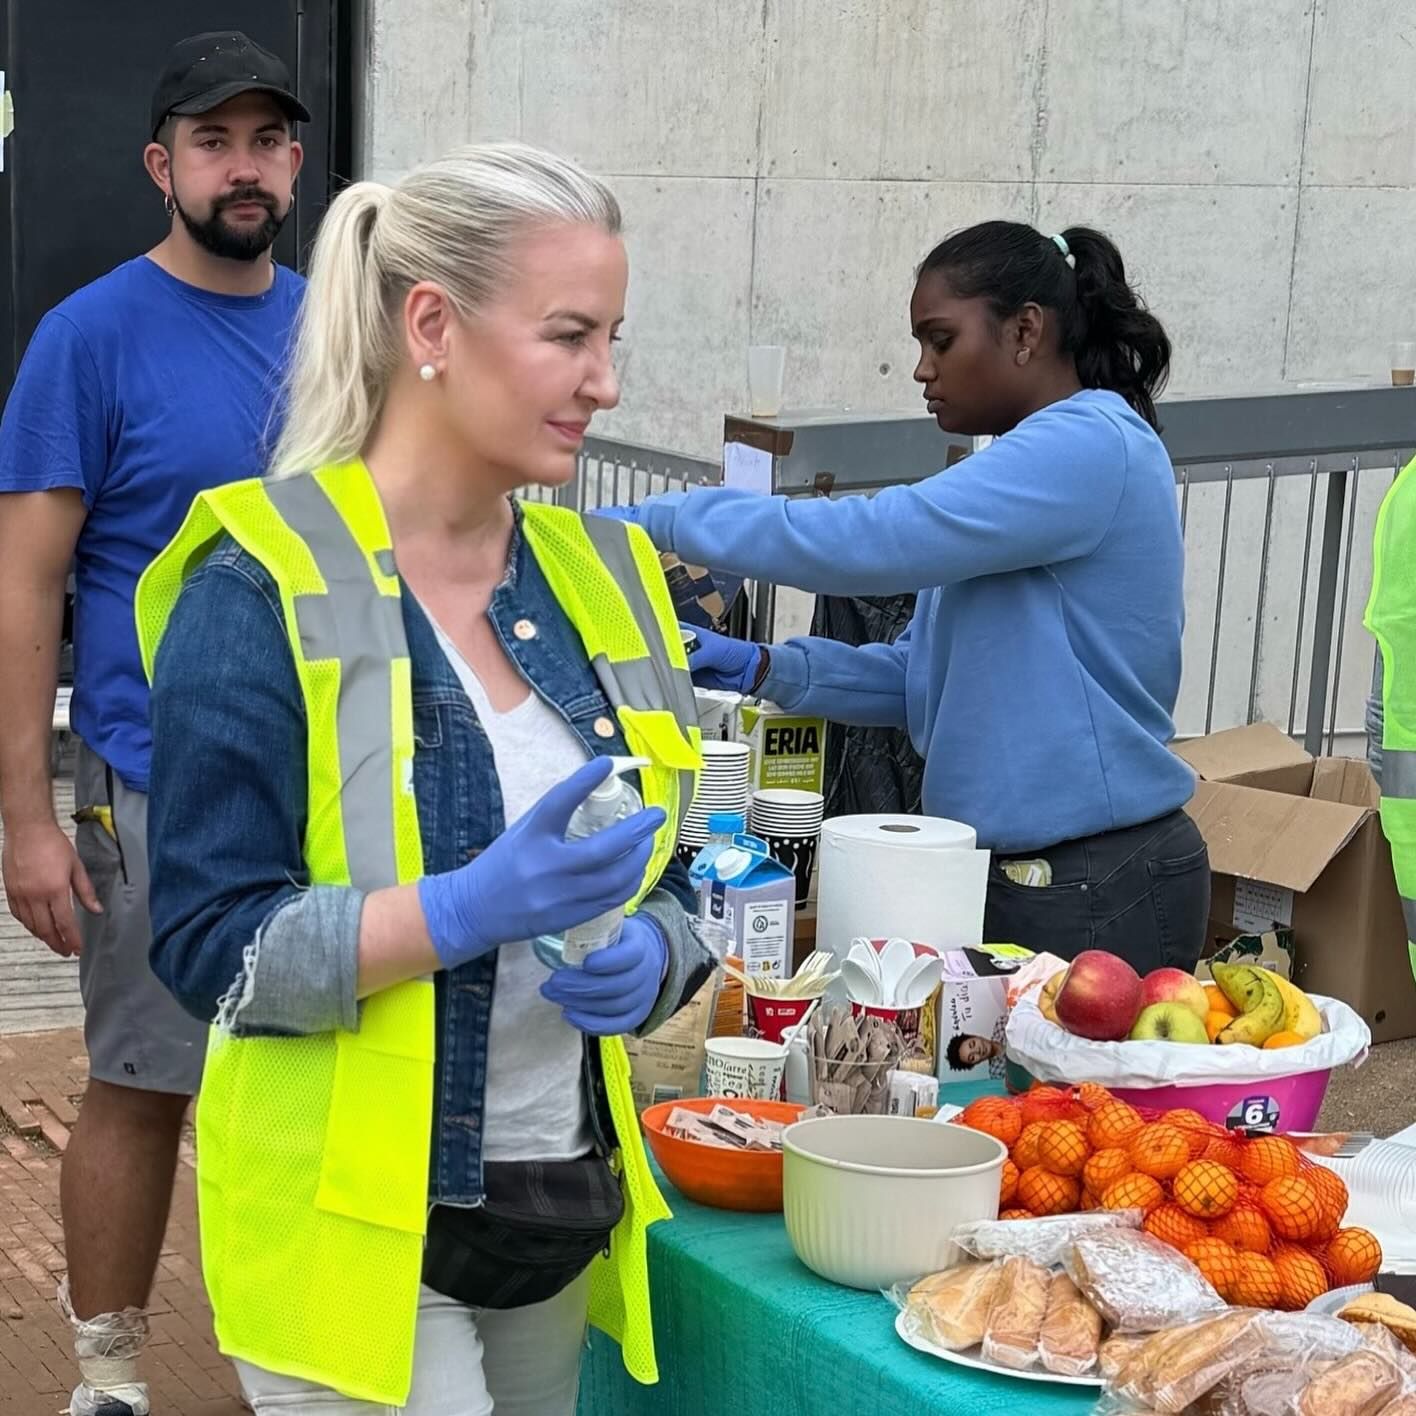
1022, 356
427, 373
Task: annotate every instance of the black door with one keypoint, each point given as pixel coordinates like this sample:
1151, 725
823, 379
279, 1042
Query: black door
74, 198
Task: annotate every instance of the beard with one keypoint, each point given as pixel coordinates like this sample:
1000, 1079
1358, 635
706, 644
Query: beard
230, 243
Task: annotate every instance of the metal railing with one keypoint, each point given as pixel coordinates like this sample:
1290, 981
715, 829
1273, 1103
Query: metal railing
609, 473
1291, 616
1277, 495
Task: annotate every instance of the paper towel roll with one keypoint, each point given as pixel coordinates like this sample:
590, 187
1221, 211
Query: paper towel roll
919, 877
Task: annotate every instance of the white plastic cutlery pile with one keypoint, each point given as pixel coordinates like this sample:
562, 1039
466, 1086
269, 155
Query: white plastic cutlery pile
897, 976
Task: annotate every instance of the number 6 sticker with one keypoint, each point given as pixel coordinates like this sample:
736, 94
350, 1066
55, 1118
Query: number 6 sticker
1256, 1114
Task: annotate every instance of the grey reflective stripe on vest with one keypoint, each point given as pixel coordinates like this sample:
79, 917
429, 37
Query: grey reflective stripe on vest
362, 629
1398, 773
1408, 909
654, 682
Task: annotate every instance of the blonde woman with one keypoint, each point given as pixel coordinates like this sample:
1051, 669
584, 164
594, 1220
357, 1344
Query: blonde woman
381, 687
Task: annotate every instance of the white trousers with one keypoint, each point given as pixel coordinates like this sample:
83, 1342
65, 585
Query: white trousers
466, 1362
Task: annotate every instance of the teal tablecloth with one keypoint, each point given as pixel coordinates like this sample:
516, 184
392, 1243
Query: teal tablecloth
743, 1329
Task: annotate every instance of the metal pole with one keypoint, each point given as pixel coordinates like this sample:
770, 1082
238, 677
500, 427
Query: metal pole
1342, 608
764, 607
1219, 597
1302, 597
1263, 600
1324, 610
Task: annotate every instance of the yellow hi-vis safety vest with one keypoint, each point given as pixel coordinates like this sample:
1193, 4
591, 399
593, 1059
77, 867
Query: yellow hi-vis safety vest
312, 1171
1391, 617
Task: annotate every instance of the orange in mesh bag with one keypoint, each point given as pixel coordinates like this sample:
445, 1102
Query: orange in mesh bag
1193, 1182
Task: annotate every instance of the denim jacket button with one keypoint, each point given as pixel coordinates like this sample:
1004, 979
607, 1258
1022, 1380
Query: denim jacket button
524, 629
603, 728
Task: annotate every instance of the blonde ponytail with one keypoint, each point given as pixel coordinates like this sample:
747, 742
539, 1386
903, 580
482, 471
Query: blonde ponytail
449, 221
342, 353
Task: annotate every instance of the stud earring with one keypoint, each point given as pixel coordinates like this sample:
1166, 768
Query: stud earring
427, 373
1022, 357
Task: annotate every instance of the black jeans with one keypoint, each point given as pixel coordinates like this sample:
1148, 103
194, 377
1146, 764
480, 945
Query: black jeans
1142, 893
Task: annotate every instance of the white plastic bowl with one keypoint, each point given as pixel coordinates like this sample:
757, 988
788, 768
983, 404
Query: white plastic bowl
873, 1200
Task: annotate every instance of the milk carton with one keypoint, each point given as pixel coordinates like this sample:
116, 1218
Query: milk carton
754, 897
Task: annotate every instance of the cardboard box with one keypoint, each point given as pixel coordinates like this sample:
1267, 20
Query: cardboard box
700, 597
1297, 843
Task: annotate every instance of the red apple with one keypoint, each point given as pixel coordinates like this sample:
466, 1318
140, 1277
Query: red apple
1175, 986
1100, 998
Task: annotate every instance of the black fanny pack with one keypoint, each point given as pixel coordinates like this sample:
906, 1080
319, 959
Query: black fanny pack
537, 1230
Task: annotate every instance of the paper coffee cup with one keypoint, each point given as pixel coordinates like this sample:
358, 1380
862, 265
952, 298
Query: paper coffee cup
745, 1067
771, 1017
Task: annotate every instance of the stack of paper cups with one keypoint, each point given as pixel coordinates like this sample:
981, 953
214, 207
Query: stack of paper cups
913, 877
722, 787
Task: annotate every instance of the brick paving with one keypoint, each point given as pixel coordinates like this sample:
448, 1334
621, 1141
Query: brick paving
42, 1076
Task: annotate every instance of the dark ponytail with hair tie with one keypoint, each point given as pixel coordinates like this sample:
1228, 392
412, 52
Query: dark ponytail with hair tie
1115, 341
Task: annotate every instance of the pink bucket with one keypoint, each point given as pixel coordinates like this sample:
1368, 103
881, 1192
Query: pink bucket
1265, 1104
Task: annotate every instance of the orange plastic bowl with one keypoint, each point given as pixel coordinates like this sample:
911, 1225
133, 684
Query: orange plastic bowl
715, 1175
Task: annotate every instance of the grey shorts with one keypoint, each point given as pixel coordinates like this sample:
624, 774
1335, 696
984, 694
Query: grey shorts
136, 1033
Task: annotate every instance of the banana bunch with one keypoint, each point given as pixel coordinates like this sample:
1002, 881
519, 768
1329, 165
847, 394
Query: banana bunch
1266, 1004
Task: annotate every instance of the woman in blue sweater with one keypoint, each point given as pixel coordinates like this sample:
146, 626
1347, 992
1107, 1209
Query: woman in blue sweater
1039, 673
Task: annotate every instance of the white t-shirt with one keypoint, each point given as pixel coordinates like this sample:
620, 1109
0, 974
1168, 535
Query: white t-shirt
535, 1101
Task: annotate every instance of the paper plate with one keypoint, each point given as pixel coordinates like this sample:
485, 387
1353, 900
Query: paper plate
1331, 1304
971, 1358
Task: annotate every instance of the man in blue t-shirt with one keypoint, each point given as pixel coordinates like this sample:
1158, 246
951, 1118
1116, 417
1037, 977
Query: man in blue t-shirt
153, 383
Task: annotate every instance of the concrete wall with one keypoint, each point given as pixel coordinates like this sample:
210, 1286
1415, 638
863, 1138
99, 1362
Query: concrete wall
783, 165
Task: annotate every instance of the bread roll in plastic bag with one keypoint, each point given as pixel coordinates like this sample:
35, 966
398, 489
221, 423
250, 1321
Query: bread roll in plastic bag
1015, 1319
1168, 1370
950, 1309
1070, 1338
1137, 1283
1044, 1241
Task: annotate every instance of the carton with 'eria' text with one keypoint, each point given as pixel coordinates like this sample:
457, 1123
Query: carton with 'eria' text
787, 749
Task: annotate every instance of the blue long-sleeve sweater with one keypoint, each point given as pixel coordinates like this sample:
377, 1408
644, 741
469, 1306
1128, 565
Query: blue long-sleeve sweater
1039, 674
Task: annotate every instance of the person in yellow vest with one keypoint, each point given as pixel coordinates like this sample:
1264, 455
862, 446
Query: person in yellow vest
380, 688
1391, 618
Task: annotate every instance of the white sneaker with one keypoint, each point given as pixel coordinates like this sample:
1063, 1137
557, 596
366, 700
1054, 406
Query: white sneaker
130, 1399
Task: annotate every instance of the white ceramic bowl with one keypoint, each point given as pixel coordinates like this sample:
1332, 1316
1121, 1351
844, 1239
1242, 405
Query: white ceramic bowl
873, 1200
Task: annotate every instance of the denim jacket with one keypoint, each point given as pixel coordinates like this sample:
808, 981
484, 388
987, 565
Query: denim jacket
239, 935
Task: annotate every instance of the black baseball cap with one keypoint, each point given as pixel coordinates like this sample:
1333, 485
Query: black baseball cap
204, 71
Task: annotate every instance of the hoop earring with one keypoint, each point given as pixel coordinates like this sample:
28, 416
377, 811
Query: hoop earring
427, 373
168, 205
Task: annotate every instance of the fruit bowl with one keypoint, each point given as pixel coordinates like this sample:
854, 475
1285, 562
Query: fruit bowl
1234, 1085
717, 1175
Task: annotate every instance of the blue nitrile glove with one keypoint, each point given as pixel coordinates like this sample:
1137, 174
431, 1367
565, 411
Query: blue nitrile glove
616, 988
720, 661
618, 513
532, 881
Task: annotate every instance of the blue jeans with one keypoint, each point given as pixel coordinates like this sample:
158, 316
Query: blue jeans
1141, 893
